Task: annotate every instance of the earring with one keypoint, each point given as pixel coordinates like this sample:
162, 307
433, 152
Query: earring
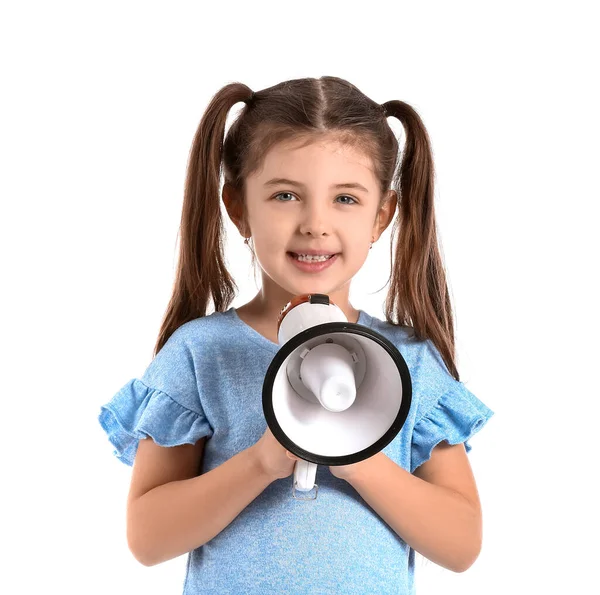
371, 245
247, 240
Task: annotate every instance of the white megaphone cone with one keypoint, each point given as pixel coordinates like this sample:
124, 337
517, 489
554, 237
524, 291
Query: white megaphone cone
327, 370
336, 392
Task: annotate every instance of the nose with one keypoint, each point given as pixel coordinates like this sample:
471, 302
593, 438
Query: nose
315, 221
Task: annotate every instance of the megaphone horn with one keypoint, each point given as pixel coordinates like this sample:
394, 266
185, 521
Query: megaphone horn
336, 392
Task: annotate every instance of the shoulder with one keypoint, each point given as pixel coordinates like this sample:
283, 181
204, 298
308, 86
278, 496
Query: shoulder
214, 323
396, 333
418, 354
199, 333
430, 378
187, 351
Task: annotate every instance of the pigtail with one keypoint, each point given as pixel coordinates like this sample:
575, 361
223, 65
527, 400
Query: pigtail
418, 293
201, 272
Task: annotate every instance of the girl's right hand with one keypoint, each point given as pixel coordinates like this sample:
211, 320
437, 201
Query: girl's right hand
274, 459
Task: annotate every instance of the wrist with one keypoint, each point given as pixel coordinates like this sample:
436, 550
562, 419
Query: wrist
257, 464
359, 472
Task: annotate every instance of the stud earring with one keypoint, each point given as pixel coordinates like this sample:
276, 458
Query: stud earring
247, 240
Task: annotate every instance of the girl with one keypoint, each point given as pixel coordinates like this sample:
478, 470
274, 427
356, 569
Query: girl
309, 169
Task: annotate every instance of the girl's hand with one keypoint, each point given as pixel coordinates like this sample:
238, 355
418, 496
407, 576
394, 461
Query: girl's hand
274, 459
350, 472
278, 462
344, 471
340, 471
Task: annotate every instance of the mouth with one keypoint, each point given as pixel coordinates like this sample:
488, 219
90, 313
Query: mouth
311, 257
312, 264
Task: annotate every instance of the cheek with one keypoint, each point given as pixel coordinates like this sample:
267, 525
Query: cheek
270, 240
273, 233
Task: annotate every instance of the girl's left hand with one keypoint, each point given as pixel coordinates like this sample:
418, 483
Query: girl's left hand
340, 471
344, 471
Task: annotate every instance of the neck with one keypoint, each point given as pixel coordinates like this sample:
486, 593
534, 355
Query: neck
269, 309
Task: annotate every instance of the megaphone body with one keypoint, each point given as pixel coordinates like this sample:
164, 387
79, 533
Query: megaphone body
336, 392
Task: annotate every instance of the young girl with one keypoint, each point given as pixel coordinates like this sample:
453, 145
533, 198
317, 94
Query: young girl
309, 169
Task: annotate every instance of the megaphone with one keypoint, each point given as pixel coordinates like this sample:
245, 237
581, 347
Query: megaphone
336, 392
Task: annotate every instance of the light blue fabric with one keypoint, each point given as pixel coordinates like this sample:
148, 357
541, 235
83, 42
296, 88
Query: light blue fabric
207, 381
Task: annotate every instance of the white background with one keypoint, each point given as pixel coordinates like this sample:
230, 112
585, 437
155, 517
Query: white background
100, 103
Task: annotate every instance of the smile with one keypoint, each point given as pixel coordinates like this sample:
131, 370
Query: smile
311, 264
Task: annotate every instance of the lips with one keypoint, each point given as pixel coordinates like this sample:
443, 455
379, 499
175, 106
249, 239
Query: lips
313, 253
321, 257
312, 266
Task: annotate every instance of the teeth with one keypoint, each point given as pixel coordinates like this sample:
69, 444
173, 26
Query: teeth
306, 258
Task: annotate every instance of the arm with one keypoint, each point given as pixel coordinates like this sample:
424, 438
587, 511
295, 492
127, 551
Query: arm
436, 511
172, 510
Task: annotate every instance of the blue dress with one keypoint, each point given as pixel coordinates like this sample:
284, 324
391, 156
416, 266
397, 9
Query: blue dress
207, 381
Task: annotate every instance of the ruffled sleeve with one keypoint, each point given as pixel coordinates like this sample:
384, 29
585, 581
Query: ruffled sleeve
447, 409
163, 404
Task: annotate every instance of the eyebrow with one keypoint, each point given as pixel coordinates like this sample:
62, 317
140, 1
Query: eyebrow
277, 181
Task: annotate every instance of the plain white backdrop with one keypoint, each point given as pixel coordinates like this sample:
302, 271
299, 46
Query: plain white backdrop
100, 103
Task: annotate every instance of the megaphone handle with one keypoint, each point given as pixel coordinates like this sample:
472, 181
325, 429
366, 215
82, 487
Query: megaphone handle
304, 475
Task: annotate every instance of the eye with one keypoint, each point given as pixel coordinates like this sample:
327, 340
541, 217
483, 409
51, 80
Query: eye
342, 196
281, 194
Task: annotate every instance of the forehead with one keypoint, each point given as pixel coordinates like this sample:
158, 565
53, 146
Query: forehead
323, 157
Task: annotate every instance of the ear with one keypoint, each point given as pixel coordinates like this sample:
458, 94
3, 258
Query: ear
385, 214
235, 207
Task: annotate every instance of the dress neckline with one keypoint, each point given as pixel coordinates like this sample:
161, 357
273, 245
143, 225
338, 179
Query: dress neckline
254, 335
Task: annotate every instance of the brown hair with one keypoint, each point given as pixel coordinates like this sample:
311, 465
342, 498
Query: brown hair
418, 295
